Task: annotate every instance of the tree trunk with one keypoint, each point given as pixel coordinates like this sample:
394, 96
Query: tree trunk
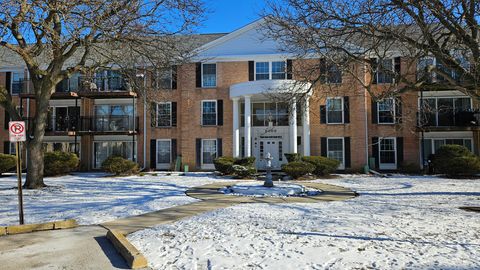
35, 155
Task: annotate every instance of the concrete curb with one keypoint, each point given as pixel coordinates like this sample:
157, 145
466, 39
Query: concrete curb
28, 228
130, 253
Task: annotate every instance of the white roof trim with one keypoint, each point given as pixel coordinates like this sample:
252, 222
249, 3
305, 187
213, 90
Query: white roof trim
231, 35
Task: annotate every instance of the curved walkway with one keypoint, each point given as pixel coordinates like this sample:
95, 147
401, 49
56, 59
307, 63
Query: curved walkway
213, 199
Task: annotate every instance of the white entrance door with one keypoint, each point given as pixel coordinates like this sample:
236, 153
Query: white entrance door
269, 146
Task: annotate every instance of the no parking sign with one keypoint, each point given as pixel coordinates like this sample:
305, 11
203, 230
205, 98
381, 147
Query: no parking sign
16, 131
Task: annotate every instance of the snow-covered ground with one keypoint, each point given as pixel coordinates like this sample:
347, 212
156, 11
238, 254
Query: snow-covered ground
397, 223
93, 198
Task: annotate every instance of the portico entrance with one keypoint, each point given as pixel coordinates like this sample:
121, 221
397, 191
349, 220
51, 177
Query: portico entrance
261, 126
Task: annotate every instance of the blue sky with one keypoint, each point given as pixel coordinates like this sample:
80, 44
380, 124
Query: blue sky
228, 15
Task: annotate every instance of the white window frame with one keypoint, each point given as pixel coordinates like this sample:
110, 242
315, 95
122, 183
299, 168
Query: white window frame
216, 113
270, 71
157, 116
387, 166
93, 160
163, 166
343, 109
393, 70
394, 112
342, 165
444, 140
208, 166
216, 75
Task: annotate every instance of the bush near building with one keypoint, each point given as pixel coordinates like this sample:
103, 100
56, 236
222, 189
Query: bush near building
120, 166
291, 157
323, 165
455, 161
59, 163
240, 167
297, 169
7, 163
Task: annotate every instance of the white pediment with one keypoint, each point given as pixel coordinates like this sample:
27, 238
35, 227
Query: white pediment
249, 40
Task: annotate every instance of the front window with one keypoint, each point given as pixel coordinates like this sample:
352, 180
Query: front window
334, 110
278, 70
387, 153
209, 151
431, 146
164, 114
209, 75
103, 150
209, 113
330, 72
446, 111
335, 150
270, 70
385, 71
386, 111
114, 117
264, 113
63, 118
164, 151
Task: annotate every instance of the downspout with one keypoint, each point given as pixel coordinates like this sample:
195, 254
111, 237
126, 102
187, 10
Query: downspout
367, 165
144, 122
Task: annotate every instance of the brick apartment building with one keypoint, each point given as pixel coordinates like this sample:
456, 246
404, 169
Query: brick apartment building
219, 107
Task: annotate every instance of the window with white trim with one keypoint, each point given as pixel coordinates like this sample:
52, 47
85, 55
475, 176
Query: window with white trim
387, 152
336, 150
275, 70
164, 151
386, 111
209, 112
164, 114
385, 71
209, 151
334, 107
445, 111
432, 145
209, 75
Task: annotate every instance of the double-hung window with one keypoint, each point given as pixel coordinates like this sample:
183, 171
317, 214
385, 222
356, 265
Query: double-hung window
270, 70
385, 71
335, 110
209, 151
386, 111
209, 75
387, 153
164, 114
335, 150
209, 112
164, 152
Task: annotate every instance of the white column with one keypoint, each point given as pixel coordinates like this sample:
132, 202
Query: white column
248, 127
292, 119
236, 127
306, 126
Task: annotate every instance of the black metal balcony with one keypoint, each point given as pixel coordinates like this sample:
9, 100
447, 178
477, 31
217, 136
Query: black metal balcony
109, 124
62, 124
448, 119
103, 84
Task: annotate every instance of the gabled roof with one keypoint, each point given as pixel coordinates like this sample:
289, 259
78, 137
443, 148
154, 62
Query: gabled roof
247, 41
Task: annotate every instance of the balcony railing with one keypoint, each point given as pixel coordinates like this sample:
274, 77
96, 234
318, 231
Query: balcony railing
103, 84
62, 124
449, 119
109, 123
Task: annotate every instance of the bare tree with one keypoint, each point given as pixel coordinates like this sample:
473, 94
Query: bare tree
56, 39
441, 38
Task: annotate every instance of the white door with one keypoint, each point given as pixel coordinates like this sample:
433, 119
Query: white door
272, 147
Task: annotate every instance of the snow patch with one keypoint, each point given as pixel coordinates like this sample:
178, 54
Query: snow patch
278, 190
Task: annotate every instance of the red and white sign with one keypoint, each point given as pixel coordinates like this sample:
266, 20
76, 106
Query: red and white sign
17, 131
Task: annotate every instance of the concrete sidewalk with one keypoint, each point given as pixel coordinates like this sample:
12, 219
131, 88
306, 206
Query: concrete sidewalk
84, 247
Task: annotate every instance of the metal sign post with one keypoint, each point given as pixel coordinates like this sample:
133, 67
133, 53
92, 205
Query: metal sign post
17, 134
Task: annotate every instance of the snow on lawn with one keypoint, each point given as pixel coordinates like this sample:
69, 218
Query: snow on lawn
93, 198
397, 223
